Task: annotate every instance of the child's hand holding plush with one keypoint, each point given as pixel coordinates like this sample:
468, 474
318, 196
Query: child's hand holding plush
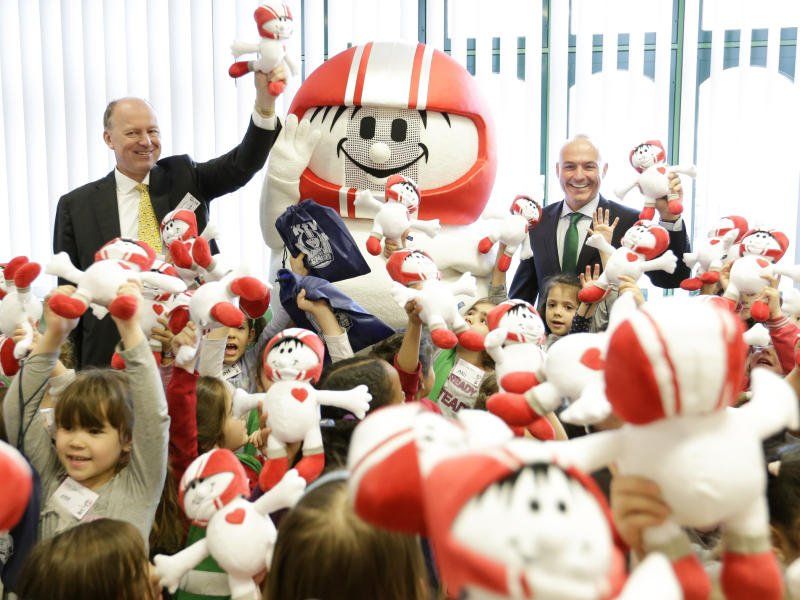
322, 314
186, 337
127, 322
57, 328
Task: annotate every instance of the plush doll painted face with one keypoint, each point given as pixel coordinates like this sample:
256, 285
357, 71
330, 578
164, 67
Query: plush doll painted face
763, 242
417, 266
274, 20
528, 209
397, 109
294, 354
132, 253
646, 155
403, 190
210, 483
174, 229
521, 320
646, 239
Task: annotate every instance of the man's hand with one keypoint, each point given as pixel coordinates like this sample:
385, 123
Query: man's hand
636, 504
265, 102
675, 193
601, 225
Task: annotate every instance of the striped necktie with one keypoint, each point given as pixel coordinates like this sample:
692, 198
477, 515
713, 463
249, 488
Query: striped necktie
569, 259
148, 224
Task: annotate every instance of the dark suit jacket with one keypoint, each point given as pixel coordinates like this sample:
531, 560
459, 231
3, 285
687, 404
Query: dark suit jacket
88, 217
532, 273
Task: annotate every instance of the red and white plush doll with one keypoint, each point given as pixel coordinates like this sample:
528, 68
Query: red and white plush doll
188, 251
711, 257
417, 278
115, 263
293, 362
395, 216
515, 344
240, 536
275, 25
19, 309
649, 159
645, 247
212, 305
755, 255
16, 485
513, 231
673, 395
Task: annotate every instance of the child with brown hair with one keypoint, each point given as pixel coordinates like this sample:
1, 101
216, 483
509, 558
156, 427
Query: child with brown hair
101, 465
103, 560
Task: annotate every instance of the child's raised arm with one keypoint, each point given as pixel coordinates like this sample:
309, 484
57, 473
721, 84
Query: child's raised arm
335, 337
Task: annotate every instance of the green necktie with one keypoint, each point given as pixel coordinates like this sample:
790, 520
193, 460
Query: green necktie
569, 259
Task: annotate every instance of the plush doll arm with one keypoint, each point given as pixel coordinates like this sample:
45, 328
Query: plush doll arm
238, 48
61, 266
365, 201
211, 232
791, 271
623, 190
556, 585
168, 283
590, 452
493, 343
690, 258
291, 64
171, 569
466, 285
356, 400
688, 170
285, 494
599, 242
773, 406
590, 408
180, 255
757, 335
526, 251
430, 228
666, 262
544, 398
242, 402
401, 294
654, 577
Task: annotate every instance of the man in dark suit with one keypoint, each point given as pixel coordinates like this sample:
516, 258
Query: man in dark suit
558, 240
133, 199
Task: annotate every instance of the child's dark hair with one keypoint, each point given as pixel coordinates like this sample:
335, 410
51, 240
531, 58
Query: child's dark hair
357, 370
783, 497
256, 326
336, 436
388, 348
211, 414
94, 397
488, 387
102, 559
168, 532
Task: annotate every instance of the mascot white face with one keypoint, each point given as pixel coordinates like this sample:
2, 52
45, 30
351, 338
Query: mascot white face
397, 109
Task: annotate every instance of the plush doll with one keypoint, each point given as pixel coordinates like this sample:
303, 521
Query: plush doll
504, 517
275, 25
293, 362
513, 231
19, 309
515, 338
644, 248
673, 394
188, 251
755, 254
239, 534
649, 160
711, 257
417, 278
115, 263
16, 485
211, 305
396, 215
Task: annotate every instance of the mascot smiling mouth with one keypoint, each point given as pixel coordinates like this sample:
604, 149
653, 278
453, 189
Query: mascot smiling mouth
374, 171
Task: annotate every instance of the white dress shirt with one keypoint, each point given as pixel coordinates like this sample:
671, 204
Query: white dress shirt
128, 204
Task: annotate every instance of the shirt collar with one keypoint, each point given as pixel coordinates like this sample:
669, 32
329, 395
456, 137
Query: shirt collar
125, 184
587, 210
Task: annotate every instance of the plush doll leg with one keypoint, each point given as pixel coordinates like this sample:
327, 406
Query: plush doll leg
518, 382
673, 543
248, 288
254, 309
227, 314
469, 339
26, 274
591, 294
374, 244
117, 362
69, 307
242, 587
8, 363
180, 255
276, 88
691, 284
441, 336
239, 68
123, 307
512, 408
541, 429
276, 466
710, 277
201, 252
759, 310
504, 262
648, 212
313, 461
485, 245
749, 567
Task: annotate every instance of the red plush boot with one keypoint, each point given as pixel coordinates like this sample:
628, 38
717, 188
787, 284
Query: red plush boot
272, 472
471, 340
227, 314
374, 245
512, 408
443, 338
239, 68
541, 429
123, 307
8, 363
201, 252
692, 284
485, 245
67, 306
248, 288
692, 578
747, 576
310, 467
504, 262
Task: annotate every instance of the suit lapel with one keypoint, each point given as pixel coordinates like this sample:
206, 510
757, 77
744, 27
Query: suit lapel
159, 192
105, 208
547, 229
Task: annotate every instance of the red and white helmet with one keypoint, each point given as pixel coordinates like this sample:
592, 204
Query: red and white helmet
305, 337
729, 223
270, 12
16, 485
403, 190
182, 216
211, 481
131, 253
647, 154
410, 266
646, 238
763, 242
395, 108
528, 208
527, 329
655, 368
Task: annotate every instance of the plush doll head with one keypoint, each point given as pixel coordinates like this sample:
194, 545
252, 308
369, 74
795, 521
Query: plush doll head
655, 367
647, 239
764, 242
294, 354
274, 20
403, 190
520, 319
16, 484
647, 154
131, 253
501, 522
178, 225
727, 224
528, 209
410, 266
212, 480
398, 109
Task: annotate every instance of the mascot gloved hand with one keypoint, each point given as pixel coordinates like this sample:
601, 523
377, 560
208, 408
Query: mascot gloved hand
649, 159
275, 26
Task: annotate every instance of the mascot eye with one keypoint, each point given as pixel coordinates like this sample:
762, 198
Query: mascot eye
367, 130
399, 128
